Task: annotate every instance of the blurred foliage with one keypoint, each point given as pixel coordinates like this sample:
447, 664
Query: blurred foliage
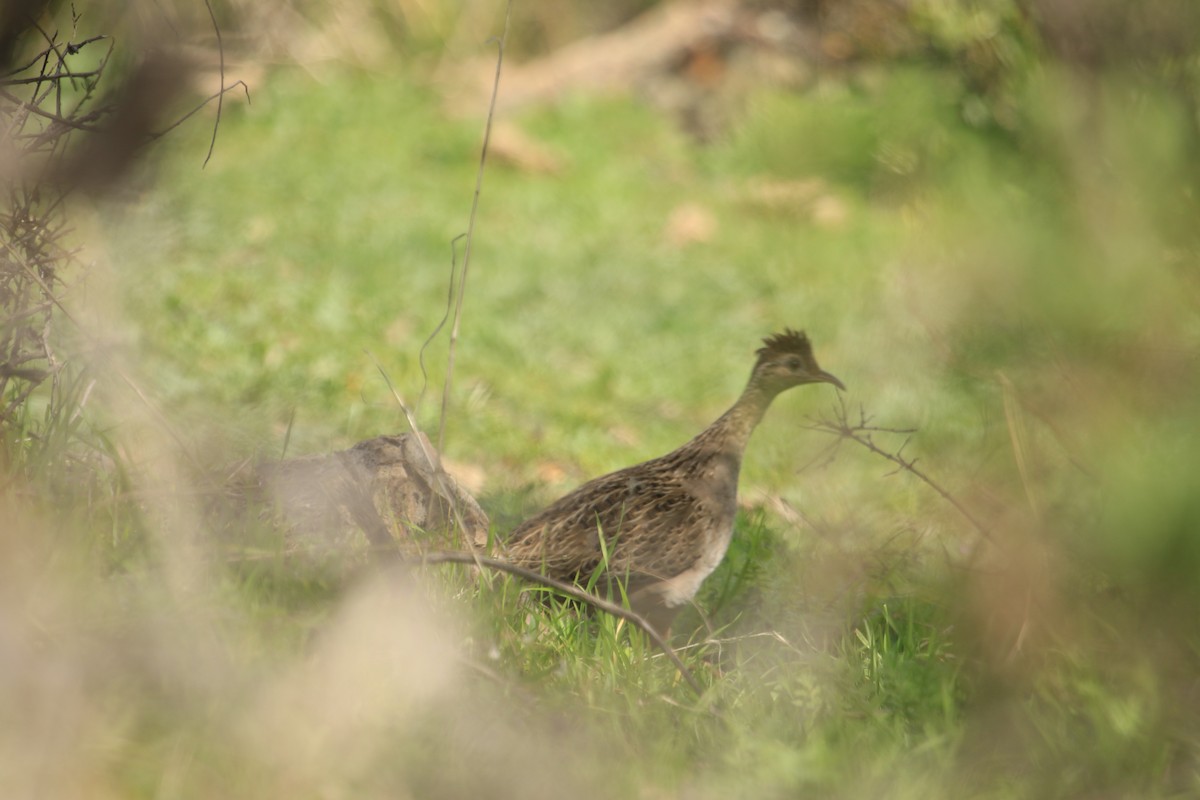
983, 211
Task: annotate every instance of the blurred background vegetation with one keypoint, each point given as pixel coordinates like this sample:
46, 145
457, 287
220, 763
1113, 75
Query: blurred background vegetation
983, 211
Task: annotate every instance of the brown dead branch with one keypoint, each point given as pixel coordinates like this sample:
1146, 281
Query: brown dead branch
860, 432
645, 46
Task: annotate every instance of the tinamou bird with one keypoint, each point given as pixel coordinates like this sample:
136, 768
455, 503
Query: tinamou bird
661, 527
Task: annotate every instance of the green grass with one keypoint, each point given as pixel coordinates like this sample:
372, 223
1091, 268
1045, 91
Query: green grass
994, 291
580, 316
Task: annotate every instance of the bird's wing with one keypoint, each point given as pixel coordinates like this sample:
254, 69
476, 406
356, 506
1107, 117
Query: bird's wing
648, 521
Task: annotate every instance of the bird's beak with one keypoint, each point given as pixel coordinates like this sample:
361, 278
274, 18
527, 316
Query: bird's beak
827, 378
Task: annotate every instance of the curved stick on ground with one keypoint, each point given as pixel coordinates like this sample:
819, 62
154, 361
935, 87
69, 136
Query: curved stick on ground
571, 590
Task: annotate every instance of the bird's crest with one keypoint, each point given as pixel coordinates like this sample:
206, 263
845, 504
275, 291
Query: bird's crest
789, 341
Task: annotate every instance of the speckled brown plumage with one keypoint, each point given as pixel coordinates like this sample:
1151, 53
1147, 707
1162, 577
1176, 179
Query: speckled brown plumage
666, 523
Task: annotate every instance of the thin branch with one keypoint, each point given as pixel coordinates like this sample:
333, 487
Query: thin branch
78, 124
28, 65
51, 77
220, 94
571, 590
199, 107
445, 317
860, 433
462, 284
75, 47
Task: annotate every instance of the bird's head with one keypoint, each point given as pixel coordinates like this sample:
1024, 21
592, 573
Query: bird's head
786, 360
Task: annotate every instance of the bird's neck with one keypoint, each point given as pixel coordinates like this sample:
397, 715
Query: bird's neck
732, 431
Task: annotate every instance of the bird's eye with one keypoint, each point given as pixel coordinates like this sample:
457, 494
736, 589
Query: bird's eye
794, 363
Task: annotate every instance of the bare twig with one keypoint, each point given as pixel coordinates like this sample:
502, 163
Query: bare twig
571, 590
49, 102
71, 49
441, 323
860, 433
53, 76
79, 123
470, 235
199, 107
